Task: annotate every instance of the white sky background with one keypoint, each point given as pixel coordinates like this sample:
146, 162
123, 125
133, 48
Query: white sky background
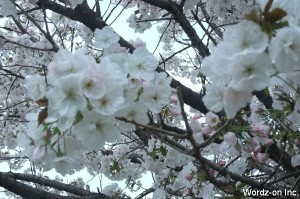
120, 26
151, 37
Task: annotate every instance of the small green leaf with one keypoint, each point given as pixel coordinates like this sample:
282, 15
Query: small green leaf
276, 26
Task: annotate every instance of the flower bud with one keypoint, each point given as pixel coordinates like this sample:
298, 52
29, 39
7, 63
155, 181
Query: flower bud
262, 157
207, 130
269, 142
230, 138
188, 177
174, 112
222, 163
173, 99
196, 116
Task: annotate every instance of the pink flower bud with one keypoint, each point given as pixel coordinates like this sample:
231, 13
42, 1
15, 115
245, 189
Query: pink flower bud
222, 163
261, 129
253, 142
296, 142
174, 112
262, 157
47, 135
257, 110
207, 130
230, 138
197, 116
174, 99
269, 142
257, 149
255, 127
248, 149
188, 177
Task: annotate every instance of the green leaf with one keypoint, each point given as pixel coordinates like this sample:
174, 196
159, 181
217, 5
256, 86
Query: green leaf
276, 26
78, 117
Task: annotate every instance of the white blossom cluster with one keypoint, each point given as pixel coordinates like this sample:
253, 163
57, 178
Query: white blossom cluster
228, 11
84, 97
237, 67
251, 59
75, 106
248, 60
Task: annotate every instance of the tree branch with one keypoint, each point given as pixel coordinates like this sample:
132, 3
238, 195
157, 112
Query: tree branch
8, 180
177, 12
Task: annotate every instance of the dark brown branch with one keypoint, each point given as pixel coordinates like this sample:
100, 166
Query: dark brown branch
10, 182
177, 12
84, 14
50, 183
24, 190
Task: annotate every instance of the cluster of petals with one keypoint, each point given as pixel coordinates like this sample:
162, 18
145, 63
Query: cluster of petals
237, 66
84, 97
248, 59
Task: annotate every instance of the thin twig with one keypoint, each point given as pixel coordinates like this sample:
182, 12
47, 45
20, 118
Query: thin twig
48, 36
152, 128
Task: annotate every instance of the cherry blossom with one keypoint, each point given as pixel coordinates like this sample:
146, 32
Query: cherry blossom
96, 130
142, 64
211, 119
284, 49
36, 87
243, 38
64, 97
76, 96
105, 37
251, 72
